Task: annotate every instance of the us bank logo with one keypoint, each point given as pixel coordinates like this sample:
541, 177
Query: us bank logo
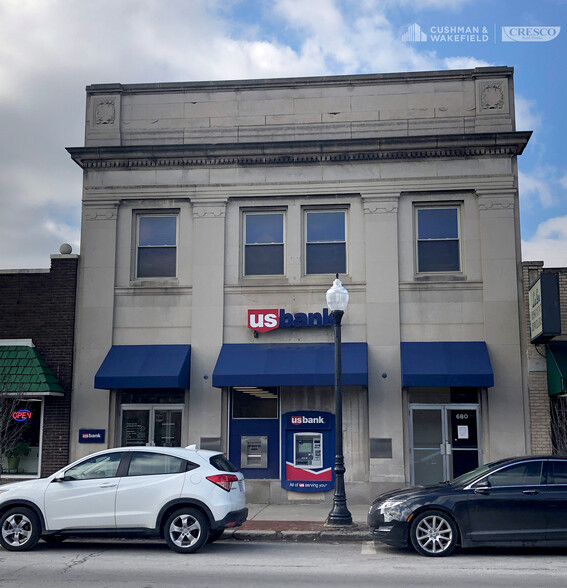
529, 34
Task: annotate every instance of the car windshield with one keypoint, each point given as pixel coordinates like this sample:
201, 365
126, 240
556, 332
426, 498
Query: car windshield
468, 477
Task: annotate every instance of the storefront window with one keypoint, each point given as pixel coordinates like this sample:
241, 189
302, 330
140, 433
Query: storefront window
255, 403
25, 424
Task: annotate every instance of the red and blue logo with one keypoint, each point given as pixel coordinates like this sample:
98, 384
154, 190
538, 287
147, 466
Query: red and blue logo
268, 319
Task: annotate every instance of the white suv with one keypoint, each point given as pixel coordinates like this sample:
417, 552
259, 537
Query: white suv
187, 496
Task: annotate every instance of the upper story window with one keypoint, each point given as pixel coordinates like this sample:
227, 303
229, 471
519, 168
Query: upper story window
263, 243
325, 243
157, 246
438, 236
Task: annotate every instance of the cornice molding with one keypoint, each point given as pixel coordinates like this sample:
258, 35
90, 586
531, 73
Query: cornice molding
506, 144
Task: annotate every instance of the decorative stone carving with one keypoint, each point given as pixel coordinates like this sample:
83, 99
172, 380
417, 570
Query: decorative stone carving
492, 96
496, 203
100, 214
105, 112
380, 207
209, 210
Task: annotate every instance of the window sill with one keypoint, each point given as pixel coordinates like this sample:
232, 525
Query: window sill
440, 277
154, 282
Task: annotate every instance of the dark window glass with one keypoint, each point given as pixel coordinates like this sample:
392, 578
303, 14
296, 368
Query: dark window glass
557, 472
438, 247
521, 474
325, 249
255, 403
264, 246
145, 464
157, 247
101, 466
220, 462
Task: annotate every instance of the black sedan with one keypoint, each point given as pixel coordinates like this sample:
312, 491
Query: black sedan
512, 502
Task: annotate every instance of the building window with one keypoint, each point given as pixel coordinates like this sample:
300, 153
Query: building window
438, 236
157, 246
263, 244
325, 244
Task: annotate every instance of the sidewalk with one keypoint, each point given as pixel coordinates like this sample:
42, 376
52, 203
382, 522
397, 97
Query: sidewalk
298, 522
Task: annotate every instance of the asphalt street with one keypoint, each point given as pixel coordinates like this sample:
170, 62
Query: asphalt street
238, 563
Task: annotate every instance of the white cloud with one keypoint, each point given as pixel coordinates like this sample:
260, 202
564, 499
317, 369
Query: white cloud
535, 188
464, 63
528, 117
549, 243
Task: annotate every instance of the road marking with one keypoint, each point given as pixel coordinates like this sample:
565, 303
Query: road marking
368, 548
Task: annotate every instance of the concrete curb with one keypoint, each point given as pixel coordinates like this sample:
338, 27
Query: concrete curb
326, 535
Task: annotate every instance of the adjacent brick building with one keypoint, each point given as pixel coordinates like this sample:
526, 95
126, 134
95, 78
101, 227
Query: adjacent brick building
547, 402
37, 308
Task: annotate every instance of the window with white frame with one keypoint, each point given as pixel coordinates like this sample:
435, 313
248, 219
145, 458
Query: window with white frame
263, 243
156, 246
438, 239
325, 242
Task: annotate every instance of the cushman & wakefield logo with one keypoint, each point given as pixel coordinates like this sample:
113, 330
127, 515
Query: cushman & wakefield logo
268, 319
529, 34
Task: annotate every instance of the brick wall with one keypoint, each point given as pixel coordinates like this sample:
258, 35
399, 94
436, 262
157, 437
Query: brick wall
540, 418
40, 305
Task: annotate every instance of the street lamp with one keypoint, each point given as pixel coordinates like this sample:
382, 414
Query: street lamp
337, 300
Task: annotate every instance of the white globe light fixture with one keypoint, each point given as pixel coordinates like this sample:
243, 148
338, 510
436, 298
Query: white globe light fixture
337, 296
337, 301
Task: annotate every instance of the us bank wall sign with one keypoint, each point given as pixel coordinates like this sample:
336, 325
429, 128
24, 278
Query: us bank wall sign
268, 319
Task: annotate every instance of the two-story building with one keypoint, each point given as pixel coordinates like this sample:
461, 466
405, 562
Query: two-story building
215, 216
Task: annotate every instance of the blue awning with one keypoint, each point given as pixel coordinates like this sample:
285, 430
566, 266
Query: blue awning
455, 363
286, 364
145, 366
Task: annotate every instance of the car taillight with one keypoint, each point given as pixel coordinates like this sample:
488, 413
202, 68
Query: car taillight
223, 480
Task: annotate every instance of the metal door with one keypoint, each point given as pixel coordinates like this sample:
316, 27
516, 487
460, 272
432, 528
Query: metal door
444, 441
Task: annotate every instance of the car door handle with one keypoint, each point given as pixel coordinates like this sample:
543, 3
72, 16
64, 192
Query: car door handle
530, 491
107, 485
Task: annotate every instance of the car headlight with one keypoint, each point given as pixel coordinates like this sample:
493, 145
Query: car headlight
391, 509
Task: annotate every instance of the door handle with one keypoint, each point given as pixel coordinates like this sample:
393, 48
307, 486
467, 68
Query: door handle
530, 491
110, 485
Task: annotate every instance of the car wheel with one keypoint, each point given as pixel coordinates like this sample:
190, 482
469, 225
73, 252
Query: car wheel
433, 533
186, 530
19, 529
214, 535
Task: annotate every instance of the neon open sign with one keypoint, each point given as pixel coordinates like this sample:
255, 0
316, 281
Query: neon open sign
22, 415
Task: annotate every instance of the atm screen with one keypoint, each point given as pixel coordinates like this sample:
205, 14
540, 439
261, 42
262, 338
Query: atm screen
305, 446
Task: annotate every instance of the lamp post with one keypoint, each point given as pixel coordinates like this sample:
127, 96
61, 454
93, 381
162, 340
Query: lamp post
337, 300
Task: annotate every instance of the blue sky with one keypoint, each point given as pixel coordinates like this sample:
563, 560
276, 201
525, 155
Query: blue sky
51, 49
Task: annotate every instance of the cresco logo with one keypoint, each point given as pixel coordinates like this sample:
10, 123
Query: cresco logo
303, 420
22, 415
268, 319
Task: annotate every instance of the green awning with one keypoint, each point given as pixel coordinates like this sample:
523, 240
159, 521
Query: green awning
24, 371
557, 367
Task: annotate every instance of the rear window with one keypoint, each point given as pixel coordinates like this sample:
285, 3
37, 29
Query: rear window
221, 463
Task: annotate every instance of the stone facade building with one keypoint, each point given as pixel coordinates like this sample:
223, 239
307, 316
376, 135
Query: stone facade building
215, 216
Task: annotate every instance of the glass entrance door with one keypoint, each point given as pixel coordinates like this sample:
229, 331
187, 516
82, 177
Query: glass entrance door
151, 425
444, 442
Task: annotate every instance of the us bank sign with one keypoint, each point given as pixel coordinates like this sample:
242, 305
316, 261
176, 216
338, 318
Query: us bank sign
268, 319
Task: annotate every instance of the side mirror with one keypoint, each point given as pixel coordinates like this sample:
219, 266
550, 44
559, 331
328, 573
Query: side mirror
59, 478
483, 487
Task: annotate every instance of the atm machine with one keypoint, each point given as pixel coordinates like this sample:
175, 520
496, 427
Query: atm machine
308, 451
